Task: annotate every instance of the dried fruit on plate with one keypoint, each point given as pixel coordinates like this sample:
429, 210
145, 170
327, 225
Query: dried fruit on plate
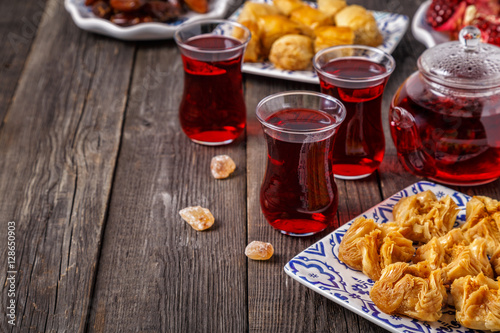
450, 16
132, 12
199, 6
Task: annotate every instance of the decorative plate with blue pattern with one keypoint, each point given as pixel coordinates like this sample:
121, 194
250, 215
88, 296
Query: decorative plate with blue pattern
392, 26
319, 268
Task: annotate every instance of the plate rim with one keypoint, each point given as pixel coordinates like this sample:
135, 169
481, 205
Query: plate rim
343, 229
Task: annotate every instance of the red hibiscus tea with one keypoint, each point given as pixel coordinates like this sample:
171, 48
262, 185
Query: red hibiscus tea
298, 195
212, 110
454, 140
357, 76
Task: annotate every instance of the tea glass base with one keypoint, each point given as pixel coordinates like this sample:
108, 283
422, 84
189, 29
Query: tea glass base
464, 183
352, 177
299, 235
210, 143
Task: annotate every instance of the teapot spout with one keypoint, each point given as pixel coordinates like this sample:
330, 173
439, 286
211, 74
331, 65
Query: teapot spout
411, 152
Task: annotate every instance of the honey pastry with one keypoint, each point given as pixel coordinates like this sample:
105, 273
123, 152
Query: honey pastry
439, 251
477, 301
369, 247
422, 216
251, 11
310, 17
468, 260
483, 221
272, 27
292, 52
327, 36
495, 262
362, 23
253, 51
287, 6
331, 7
414, 291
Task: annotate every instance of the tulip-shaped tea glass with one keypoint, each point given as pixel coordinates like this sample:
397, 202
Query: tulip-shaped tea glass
357, 76
298, 195
212, 110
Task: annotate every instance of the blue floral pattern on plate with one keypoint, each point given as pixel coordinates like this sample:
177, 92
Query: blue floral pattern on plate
319, 268
392, 26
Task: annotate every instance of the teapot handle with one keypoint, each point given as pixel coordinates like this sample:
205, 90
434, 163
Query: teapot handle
411, 152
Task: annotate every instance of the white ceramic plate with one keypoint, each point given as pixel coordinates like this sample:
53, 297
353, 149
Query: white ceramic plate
319, 268
423, 32
86, 20
392, 26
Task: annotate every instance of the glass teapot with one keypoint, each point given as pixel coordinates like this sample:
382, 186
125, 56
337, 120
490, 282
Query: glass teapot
445, 118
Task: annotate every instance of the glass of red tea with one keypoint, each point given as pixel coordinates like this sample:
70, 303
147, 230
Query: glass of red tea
298, 195
357, 76
212, 110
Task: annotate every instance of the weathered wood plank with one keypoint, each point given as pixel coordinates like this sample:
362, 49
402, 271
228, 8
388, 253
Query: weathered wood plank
58, 147
157, 274
18, 28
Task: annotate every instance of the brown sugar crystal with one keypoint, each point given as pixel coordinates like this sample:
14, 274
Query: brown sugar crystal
199, 218
257, 250
222, 166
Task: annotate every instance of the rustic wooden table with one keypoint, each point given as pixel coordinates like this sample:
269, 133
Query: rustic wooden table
94, 169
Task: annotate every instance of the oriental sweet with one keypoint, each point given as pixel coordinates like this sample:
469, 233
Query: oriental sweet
483, 221
292, 52
362, 23
369, 247
468, 260
423, 216
415, 291
477, 301
272, 23
464, 261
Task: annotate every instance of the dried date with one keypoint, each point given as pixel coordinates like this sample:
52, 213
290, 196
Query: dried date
163, 11
101, 9
126, 19
131, 12
127, 5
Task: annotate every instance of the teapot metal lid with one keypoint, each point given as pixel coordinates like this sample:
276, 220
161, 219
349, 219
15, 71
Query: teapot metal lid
464, 64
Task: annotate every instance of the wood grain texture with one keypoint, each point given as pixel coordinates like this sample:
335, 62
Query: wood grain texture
58, 147
18, 28
91, 153
156, 273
